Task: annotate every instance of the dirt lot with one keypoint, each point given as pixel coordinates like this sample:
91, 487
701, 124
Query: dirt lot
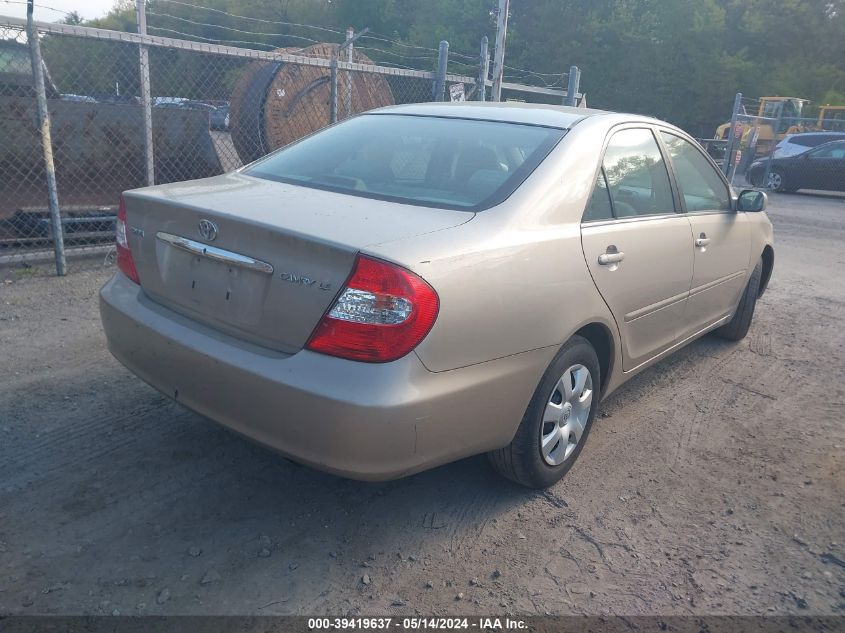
712, 483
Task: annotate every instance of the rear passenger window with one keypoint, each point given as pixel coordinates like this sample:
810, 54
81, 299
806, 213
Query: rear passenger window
636, 175
599, 206
812, 140
701, 186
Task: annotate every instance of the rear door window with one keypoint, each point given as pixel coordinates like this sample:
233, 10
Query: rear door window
833, 150
814, 140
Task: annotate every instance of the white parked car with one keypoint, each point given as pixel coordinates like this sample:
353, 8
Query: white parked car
794, 144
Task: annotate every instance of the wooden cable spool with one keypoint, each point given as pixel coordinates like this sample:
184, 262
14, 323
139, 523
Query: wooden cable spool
274, 103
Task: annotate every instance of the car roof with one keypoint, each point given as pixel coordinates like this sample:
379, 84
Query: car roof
825, 133
527, 113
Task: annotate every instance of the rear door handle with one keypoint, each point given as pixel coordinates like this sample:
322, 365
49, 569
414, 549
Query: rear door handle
605, 259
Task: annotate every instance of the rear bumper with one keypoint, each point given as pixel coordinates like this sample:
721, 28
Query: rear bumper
366, 421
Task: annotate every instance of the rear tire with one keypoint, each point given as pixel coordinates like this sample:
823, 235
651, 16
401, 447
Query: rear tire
557, 421
737, 328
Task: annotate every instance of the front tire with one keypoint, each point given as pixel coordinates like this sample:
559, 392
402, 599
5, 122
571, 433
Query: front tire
778, 181
737, 328
557, 421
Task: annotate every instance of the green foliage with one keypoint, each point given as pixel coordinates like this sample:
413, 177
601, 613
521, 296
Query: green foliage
679, 60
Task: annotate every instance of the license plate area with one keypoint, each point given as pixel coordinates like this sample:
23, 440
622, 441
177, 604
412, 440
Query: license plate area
221, 291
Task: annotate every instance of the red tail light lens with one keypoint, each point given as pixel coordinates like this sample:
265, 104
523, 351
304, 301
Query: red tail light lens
125, 263
382, 314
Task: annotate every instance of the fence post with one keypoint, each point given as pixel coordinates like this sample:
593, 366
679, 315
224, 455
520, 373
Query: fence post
347, 100
483, 69
499, 53
333, 89
775, 130
439, 89
729, 149
46, 143
571, 98
146, 100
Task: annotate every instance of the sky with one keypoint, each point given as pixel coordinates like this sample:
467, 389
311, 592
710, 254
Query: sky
86, 8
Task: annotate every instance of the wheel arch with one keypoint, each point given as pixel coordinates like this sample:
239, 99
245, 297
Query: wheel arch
601, 338
768, 257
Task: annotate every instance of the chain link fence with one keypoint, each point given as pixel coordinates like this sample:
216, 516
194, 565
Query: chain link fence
772, 143
210, 109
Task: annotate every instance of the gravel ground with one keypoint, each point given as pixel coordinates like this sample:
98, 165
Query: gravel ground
712, 483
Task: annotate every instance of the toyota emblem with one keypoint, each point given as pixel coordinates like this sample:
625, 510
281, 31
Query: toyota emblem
208, 230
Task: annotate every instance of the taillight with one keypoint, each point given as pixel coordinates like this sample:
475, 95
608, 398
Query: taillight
382, 314
125, 263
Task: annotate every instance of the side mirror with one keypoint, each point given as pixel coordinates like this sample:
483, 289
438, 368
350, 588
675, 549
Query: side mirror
751, 200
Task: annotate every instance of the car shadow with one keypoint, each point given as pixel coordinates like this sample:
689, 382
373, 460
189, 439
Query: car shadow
158, 496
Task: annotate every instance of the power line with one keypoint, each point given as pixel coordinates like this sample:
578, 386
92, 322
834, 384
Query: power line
40, 6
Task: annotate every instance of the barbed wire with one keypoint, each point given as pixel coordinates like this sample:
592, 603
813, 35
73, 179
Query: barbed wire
386, 52
371, 34
252, 19
524, 70
387, 63
229, 28
541, 77
383, 38
206, 39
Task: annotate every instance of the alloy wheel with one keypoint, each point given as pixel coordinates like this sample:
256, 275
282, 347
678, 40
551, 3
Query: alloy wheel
775, 180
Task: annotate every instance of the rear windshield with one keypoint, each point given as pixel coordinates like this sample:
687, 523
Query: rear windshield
814, 140
431, 161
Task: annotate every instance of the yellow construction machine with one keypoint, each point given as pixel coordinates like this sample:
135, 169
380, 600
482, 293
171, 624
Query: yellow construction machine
789, 109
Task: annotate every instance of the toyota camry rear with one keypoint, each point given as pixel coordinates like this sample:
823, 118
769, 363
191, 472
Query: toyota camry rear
418, 284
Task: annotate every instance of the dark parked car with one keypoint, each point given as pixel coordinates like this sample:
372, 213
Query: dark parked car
220, 118
820, 168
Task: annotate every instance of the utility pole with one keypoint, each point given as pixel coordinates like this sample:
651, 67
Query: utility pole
499, 59
146, 98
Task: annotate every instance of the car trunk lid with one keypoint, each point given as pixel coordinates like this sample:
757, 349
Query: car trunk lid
256, 259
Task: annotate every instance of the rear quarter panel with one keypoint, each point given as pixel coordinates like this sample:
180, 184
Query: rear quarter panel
514, 278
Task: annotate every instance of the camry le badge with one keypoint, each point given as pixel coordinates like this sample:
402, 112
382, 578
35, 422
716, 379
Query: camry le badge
208, 230
306, 281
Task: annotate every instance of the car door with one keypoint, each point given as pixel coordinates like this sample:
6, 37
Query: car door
824, 167
721, 237
636, 246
